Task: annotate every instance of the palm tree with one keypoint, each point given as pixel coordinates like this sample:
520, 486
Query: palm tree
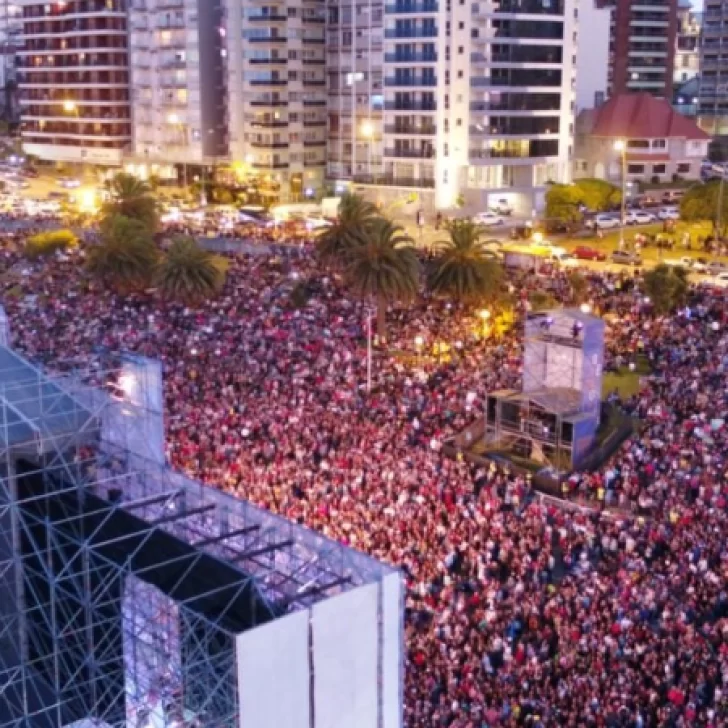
131, 197
356, 215
126, 255
189, 272
382, 265
464, 269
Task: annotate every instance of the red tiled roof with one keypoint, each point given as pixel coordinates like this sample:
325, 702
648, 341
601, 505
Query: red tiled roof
641, 116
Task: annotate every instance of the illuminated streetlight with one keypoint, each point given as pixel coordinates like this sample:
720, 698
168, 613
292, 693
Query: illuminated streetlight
537, 238
367, 131
419, 341
484, 317
585, 308
70, 107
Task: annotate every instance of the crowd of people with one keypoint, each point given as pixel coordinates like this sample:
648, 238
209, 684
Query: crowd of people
519, 612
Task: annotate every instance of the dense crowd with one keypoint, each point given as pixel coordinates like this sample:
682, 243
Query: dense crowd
518, 612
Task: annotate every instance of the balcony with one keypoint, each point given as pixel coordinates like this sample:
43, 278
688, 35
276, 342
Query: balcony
313, 39
391, 181
411, 7
399, 81
427, 153
410, 57
270, 145
269, 102
410, 106
517, 7
268, 124
272, 17
267, 60
405, 33
268, 81
267, 39
314, 82
314, 142
270, 165
313, 61
408, 130
314, 102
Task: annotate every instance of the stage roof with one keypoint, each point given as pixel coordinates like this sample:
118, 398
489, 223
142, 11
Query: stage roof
33, 409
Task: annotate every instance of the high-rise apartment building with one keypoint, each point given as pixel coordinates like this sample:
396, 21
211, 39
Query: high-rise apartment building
276, 85
642, 47
74, 80
177, 84
713, 87
687, 43
476, 105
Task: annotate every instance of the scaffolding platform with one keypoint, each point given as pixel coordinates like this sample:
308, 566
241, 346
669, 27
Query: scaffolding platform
136, 596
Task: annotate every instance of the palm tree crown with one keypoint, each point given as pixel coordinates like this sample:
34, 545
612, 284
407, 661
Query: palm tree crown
126, 255
383, 266
355, 217
464, 269
189, 272
132, 198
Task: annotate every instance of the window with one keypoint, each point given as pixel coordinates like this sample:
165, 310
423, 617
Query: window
658, 169
659, 144
683, 168
638, 144
635, 169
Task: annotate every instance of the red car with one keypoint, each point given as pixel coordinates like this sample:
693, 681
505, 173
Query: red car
584, 253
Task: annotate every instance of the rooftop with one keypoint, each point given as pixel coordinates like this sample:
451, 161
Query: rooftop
642, 116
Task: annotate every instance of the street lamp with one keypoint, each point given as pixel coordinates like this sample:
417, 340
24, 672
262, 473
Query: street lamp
367, 131
175, 120
621, 146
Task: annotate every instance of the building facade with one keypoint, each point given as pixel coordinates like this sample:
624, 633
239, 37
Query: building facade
687, 44
73, 77
659, 145
476, 105
177, 85
592, 55
642, 47
713, 88
276, 85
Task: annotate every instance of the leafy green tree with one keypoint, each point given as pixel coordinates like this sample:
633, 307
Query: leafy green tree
464, 270
356, 217
579, 287
383, 266
190, 273
126, 257
131, 198
47, 243
541, 300
704, 202
562, 204
598, 194
667, 287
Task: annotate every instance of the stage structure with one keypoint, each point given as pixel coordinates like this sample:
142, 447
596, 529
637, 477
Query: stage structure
554, 419
136, 597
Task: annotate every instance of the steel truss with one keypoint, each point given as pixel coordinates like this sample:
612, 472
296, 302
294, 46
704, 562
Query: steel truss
108, 560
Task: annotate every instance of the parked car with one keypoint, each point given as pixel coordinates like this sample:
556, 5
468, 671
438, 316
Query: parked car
603, 221
583, 252
639, 217
672, 196
488, 219
716, 267
696, 265
625, 257
669, 213
502, 208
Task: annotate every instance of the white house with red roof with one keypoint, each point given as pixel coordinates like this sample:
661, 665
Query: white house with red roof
659, 144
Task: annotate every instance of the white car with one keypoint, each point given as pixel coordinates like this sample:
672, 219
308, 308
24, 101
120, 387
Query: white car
603, 221
639, 217
719, 281
488, 219
669, 213
688, 263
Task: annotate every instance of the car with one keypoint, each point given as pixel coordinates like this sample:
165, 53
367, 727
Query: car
625, 257
639, 217
256, 215
488, 219
69, 183
584, 252
603, 221
716, 267
669, 213
695, 265
672, 196
719, 281
502, 208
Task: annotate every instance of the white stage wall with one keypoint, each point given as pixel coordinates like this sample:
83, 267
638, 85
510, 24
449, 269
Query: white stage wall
392, 646
273, 674
345, 656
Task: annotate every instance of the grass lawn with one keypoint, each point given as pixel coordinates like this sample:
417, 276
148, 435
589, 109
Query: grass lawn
625, 381
610, 241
